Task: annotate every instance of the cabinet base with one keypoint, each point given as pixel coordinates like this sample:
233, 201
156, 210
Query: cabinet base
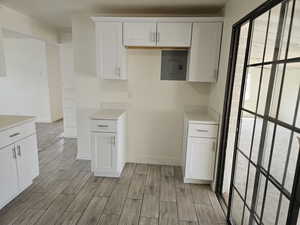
195, 181
106, 174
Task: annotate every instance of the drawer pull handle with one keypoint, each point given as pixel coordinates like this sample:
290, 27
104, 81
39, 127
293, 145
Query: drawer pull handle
15, 134
200, 130
102, 125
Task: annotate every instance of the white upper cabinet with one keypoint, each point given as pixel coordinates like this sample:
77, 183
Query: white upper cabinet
111, 54
174, 34
140, 34
205, 51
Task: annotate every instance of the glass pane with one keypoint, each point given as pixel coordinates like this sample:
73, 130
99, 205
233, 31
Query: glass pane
258, 38
251, 88
292, 163
284, 209
276, 90
294, 47
260, 195
256, 140
267, 145
263, 90
286, 27
289, 93
271, 205
251, 179
237, 208
272, 32
234, 110
246, 131
280, 150
246, 216
241, 173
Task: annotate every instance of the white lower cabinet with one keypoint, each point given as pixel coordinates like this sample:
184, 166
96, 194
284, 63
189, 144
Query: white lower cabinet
108, 143
199, 148
18, 162
8, 175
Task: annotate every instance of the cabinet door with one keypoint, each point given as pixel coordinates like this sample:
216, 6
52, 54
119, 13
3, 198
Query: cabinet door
104, 158
204, 52
26, 161
174, 34
111, 55
140, 34
200, 158
8, 175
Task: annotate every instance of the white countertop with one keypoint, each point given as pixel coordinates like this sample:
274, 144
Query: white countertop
200, 117
8, 121
107, 114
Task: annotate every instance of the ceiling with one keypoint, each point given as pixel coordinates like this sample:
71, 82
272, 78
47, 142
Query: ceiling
57, 13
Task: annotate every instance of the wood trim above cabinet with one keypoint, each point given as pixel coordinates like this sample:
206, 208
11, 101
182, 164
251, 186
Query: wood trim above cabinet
157, 19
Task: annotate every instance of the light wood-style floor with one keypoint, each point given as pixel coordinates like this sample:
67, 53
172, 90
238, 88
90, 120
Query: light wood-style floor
66, 193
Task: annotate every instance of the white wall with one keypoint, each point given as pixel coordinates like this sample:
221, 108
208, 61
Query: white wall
19, 22
155, 108
24, 91
54, 81
234, 10
69, 97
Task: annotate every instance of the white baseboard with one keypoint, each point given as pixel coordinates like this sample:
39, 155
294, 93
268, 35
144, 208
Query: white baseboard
196, 181
172, 161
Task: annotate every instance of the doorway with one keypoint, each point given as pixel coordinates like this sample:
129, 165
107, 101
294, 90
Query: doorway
258, 177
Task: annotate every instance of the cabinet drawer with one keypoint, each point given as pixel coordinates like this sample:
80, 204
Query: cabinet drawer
14, 134
203, 130
104, 125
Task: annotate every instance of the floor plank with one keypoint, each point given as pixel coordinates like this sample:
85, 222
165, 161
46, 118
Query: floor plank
168, 192
84, 196
30, 216
109, 219
150, 206
136, 189
117, 199
56, 210
148, 221
93, 212
69, 218
131, 212
168, 213
106, 187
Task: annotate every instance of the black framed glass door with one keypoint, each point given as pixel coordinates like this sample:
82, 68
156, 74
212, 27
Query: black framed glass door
263, 188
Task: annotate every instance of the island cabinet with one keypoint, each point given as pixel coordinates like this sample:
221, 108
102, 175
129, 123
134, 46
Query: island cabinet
108, 137
199, 149
18, 160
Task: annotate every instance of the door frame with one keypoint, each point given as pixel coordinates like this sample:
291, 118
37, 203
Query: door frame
293, 214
